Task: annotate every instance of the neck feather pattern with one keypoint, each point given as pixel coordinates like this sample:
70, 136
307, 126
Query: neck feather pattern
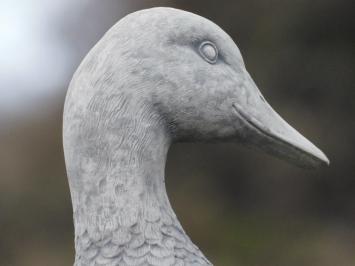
115, 160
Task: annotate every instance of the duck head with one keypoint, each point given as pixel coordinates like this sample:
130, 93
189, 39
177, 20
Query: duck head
198, 83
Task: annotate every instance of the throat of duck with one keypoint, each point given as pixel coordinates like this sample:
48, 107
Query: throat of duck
121, 207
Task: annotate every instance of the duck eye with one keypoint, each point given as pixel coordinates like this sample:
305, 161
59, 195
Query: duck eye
209, 52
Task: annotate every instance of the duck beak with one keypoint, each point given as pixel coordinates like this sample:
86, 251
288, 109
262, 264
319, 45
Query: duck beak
265, 129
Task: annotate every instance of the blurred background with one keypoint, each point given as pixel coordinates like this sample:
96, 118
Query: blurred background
240, 207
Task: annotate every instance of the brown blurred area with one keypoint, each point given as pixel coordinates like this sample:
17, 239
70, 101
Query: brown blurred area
240, 207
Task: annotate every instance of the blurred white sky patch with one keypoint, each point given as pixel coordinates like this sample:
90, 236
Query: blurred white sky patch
41, 43
32, 61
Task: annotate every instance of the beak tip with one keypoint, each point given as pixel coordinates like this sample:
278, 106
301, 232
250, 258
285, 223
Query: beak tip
326, 161
322, 159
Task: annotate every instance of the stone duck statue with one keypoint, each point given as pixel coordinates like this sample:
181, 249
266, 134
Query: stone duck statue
158, 76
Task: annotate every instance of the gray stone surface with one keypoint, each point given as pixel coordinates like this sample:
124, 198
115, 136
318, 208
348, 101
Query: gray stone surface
157, 77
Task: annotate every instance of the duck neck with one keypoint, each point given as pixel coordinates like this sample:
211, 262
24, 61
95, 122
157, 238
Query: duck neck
118, 192
122, 170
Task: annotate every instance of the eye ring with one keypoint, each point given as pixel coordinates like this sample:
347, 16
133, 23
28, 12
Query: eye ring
209, 52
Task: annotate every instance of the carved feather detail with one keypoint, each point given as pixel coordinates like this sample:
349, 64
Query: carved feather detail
152, 240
